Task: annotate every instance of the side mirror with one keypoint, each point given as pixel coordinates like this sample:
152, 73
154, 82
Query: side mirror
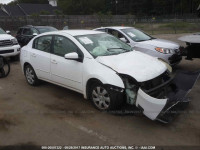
35, 34
124, 40
73, 56
8, 32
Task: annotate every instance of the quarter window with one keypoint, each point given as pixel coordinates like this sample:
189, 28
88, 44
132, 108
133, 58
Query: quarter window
63, 46
43, 43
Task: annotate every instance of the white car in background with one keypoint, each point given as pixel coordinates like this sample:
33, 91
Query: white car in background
9, 46
105, 70
165, 50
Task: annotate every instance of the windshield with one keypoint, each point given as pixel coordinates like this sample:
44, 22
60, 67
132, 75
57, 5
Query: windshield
136, 35
46, 29
103, 44
2, 31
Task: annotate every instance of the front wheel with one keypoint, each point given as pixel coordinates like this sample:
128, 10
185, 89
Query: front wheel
31, 76
104, 99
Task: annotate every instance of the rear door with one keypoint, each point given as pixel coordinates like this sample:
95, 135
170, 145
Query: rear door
40, 56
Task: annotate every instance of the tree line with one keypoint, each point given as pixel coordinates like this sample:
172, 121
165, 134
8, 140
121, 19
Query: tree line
124, 7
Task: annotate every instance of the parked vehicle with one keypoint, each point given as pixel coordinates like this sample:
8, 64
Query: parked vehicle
167, 51
9, 46
26, 33
193, 45
105, 70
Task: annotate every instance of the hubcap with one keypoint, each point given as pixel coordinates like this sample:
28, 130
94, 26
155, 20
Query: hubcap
30, 75
101, 98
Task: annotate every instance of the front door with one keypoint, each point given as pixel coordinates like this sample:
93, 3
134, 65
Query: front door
66, 72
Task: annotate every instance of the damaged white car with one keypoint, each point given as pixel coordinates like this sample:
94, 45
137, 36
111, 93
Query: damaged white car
105, 70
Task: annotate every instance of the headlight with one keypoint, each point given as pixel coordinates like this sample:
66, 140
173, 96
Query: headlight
164, 50
14, 41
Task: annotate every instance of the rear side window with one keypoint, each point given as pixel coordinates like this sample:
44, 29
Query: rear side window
43, 43
63, 45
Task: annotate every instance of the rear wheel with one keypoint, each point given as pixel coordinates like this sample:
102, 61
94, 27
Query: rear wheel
103, 98
31, 76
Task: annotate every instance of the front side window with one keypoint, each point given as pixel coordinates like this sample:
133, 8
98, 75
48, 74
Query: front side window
103, 44
63, 45
2, 31
115, 33
136, 35
43, 43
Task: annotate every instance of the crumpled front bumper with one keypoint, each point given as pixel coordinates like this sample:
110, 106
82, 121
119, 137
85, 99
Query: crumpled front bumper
164, 110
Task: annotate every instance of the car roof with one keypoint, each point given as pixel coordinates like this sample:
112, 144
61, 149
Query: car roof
80, 32
115, 27
30, 26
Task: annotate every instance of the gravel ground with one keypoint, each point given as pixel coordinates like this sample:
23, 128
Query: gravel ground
52, 115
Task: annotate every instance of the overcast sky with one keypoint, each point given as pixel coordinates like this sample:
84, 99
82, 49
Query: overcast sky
5, 1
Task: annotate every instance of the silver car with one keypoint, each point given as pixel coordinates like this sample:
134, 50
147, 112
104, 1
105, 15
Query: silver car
165, 50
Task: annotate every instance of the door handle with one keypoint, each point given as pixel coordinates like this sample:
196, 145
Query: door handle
53, 61
33, 55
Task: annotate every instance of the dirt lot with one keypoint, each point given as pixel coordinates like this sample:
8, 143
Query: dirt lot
51, 115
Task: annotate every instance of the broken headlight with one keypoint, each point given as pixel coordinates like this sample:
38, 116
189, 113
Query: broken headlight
131, 88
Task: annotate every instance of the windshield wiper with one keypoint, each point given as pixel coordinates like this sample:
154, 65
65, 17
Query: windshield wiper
127, 50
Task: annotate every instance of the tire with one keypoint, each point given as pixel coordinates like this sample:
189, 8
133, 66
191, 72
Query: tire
103, 98
4, 67
30, 75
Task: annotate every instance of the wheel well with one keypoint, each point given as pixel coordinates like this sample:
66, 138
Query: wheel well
25, 64
89, 84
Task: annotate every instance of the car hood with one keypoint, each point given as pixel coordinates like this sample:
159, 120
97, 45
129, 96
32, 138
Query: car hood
140, 66
6, 37
160, 43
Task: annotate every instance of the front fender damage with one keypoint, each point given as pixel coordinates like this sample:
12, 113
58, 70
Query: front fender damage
163, 97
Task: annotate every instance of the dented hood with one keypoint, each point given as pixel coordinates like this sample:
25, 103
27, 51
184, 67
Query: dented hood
140, 66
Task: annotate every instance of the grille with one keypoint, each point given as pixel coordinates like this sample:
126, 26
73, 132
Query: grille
6, 43
155, 82
7, 51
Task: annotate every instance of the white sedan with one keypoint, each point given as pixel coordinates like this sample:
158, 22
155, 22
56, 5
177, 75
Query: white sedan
105, 70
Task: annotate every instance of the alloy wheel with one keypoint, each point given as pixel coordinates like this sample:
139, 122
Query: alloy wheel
101, 98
